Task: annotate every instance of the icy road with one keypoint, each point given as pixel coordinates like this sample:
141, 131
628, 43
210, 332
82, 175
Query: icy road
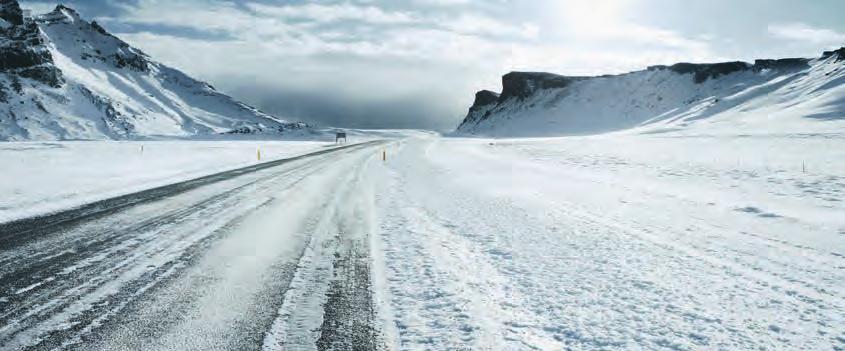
635, 242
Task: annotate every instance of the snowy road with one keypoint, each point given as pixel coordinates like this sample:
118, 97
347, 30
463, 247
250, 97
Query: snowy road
207, 264
617, 242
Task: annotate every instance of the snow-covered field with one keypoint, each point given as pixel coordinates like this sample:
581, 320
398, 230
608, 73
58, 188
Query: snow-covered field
619, 241
40, 177
614, 242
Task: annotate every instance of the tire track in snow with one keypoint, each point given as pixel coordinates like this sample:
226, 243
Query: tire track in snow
113, 261
329, 303
349, 318
19, 231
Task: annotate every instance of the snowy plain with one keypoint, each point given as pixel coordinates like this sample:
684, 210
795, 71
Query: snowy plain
42, 177
614, 242
668, 241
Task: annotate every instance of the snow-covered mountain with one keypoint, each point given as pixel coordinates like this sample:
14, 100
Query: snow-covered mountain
793, 95
62, 77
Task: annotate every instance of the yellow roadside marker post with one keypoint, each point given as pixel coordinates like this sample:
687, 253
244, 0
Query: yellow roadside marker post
384, 155
258, 153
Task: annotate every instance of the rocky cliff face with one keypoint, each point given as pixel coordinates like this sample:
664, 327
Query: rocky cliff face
838, 55
23, 52
523, 84
484, 101
674, 96
62, 77
11, 12
701, 72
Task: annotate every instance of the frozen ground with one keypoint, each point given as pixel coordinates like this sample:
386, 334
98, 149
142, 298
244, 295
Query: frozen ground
615, 242
661, 241
40, 177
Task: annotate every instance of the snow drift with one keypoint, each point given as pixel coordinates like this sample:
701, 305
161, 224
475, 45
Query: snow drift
62, 77
769, 96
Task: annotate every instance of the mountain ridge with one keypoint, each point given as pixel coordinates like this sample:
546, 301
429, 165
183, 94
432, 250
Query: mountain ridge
664, 96
62, 77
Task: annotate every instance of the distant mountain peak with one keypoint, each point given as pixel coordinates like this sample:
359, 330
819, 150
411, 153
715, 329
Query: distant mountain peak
61, 14
62, 77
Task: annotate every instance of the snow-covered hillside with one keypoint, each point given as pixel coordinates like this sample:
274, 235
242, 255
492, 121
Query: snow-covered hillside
769, 96
62, 77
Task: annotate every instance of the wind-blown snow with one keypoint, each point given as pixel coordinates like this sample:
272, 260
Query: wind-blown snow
618, 241
615, 242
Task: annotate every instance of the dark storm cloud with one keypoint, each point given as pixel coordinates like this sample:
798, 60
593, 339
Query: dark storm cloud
346, 92
330, 109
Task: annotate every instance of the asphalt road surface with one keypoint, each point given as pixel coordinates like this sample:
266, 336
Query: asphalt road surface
271, 256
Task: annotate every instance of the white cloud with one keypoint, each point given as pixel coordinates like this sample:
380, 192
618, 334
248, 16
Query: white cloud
332, 13
603, 36
806, 33
487, 26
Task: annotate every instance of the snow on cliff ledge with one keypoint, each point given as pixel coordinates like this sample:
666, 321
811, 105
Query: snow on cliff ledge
768, 96
62, 77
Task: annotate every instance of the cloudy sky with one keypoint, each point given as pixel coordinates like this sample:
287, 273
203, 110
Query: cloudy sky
417, 63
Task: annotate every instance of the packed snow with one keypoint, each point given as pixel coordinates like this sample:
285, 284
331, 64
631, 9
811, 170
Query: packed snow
614, 242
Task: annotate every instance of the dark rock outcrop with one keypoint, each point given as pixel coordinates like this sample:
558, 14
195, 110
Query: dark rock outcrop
22, 49
16, 55
782, 64
11, 12
523, 84
703, 71
484, 98
839, 53
97, 27
484, 101
130, 59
